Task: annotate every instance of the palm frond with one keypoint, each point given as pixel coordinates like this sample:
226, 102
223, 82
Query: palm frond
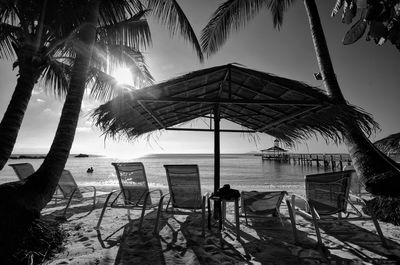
170, 14
112, 12
8, 34
132, 59
111, 57
233, 15
56, 76
278, 8
133, 32
8, 13
102, 86
389, 144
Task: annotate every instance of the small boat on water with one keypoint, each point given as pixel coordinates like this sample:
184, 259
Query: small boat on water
89, 170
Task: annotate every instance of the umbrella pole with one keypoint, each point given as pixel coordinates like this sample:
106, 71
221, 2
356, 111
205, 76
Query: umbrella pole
216, 156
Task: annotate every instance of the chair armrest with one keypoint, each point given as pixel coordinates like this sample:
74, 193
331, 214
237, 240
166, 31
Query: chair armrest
87, 189
306, 212
161, 201
157, 190
294, 196
357, 198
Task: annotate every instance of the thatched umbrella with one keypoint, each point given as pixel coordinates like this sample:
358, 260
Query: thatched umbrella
390, 144
286, 109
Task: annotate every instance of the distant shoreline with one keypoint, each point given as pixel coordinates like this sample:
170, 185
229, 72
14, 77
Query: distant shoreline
42, 156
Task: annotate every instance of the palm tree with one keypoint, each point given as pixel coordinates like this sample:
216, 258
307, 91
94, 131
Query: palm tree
46, 55
380, 174
22, 201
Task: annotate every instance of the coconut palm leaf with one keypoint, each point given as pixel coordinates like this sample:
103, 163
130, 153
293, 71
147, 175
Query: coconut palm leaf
55, 77
234, 14
8, 35
355, 32
169, 13
102, 85
390, 144
112, 12
133, 32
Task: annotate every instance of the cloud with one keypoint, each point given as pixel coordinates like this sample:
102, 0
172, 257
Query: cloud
50, 113
83, 129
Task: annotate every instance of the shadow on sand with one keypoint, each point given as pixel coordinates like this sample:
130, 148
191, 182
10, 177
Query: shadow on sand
179, 241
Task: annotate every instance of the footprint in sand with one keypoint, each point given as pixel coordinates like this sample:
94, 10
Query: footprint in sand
85, 238
209, 248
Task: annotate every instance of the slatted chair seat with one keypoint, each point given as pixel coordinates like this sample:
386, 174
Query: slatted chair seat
327, 194
134, 189
184, 191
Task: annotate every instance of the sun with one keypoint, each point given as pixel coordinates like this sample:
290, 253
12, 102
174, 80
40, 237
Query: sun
123, 76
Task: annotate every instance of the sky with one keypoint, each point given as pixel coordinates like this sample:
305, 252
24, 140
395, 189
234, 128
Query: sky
368, 75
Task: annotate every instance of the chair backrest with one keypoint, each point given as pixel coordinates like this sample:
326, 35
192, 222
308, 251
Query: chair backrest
261, 203
67, 185
184, 186
328, 192
133, 182
23, 170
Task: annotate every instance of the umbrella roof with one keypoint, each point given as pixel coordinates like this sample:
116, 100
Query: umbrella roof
274, 149
286, 109
390, 144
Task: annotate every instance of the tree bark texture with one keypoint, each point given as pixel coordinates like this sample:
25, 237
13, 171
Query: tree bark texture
378, 172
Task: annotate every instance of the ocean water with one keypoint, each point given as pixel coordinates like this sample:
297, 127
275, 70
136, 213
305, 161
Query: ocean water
242, 171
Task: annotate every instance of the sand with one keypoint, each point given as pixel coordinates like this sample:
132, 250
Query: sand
179, 240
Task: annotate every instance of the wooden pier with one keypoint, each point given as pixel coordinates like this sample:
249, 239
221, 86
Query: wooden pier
327, 161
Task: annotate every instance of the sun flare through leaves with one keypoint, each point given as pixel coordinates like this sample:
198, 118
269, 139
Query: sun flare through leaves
123, 76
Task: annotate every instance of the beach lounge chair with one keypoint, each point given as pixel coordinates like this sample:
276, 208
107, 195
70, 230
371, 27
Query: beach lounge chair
184, 191
134, 189
264, 205
67, 189
23, 170
327, 194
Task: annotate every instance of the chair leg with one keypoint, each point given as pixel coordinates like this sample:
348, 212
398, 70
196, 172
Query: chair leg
377, 226
280, 216
97, 227
143, 210
237, 219
292, 221
315, 221
203, 217
293, 198
94, 198
159, 210
69, 202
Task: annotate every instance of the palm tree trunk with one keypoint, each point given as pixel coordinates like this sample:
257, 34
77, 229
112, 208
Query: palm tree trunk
12, 119
22, 201
45, 179
379, 173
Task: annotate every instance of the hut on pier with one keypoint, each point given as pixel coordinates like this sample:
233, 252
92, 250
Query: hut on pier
275, 152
